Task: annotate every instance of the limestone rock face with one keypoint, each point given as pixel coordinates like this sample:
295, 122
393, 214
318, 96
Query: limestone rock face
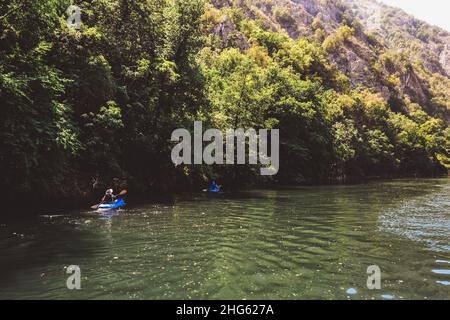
444, 57
400, 30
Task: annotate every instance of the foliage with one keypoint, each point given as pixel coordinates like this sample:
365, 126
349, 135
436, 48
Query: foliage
283, 16
343, 33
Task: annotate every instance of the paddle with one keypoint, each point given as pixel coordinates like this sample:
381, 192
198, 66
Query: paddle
120, 194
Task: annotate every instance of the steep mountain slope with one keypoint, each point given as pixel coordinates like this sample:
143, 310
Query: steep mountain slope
376, 46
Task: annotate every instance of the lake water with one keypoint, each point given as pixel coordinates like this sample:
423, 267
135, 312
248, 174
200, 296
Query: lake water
293, 243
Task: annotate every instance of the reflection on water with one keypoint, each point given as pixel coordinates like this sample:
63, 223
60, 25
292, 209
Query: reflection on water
298, 243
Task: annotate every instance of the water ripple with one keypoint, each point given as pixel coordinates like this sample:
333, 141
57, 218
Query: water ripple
425, 219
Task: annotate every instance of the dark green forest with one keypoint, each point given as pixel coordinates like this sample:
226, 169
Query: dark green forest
83, 110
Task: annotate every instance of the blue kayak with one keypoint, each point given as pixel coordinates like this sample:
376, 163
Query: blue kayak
112, 205
215, 190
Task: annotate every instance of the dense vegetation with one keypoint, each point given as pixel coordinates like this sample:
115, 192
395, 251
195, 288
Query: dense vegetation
84, 109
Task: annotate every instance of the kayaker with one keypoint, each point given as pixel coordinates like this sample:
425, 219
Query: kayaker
214, 186
109, 196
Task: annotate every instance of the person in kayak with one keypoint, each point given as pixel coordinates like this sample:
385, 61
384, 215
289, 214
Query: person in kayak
214, 187
109, 196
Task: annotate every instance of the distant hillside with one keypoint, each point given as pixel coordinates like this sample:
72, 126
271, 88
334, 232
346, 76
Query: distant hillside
375, 45
356, 89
